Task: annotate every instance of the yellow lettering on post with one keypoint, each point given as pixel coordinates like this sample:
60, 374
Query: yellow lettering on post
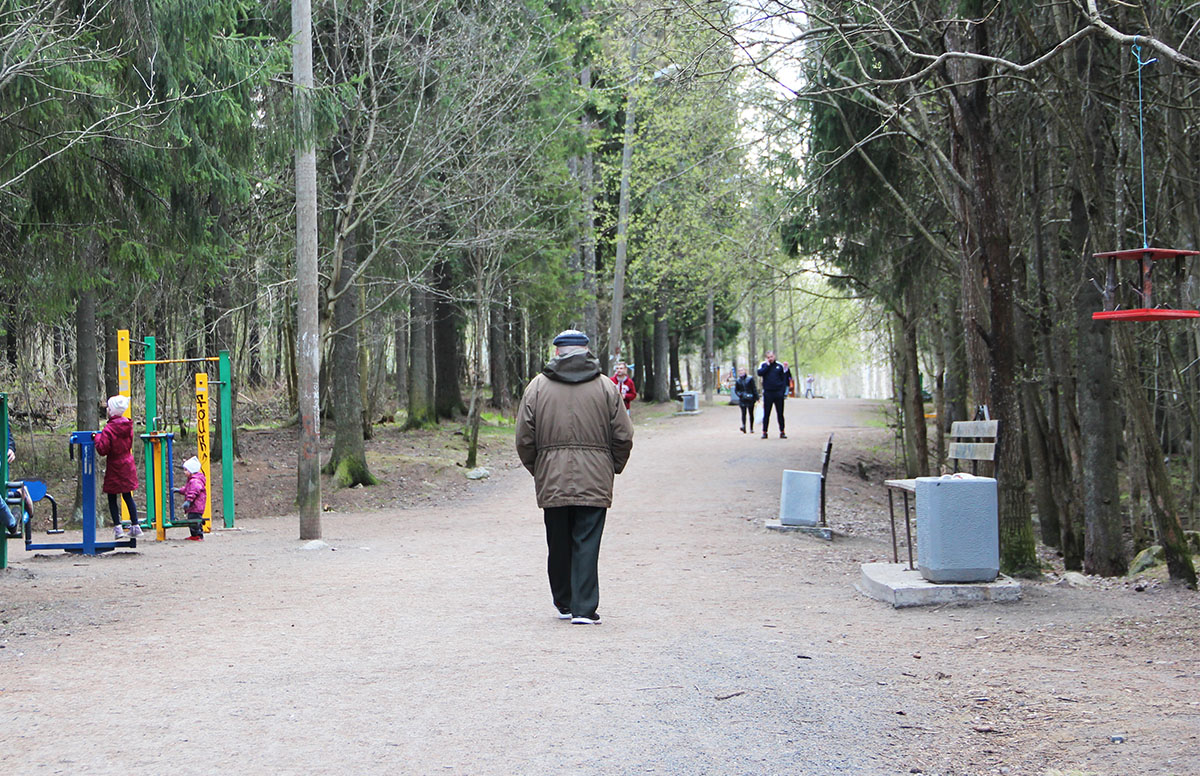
124, 389
202, 451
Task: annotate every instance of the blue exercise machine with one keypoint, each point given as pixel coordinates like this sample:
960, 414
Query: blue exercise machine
87, 478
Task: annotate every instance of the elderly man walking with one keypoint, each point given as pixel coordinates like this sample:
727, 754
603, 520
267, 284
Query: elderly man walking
573, 435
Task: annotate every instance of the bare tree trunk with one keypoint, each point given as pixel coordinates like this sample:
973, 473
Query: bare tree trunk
709, 359
348, 463
916, 456
618, 297
1161, 495
110, 355
502, 398
401, 355
587, 257
420, 374
87, 403
308, 330
988, 219
643, 354
662, 352
447, 348
673, 355
752, 361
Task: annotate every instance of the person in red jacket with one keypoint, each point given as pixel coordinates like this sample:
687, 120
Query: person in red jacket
624, 384
120, 475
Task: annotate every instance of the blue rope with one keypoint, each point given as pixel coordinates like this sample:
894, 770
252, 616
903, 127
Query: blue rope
1137, 53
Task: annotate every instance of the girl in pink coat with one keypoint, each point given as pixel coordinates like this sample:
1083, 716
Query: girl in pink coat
120, 475
195, 498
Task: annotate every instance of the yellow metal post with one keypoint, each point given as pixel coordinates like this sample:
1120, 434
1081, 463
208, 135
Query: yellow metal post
124, 388
202, 451
160, 529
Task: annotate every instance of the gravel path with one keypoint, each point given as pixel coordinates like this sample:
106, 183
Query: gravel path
424, 642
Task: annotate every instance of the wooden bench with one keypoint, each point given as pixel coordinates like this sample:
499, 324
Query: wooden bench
970, 440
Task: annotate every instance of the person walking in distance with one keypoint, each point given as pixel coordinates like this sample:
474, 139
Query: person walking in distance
775, 379
809, 393
746, 391
624, 384
573, 435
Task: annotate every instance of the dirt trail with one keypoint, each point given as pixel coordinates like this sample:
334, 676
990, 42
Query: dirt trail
424, 642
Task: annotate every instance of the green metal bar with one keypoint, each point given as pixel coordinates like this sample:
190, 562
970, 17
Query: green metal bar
225, 374
151, 377
4, 473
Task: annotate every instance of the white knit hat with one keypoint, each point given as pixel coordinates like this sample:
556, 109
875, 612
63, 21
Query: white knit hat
117, 405
192, 465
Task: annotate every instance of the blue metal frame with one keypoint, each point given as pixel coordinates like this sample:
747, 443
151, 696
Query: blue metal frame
87, 480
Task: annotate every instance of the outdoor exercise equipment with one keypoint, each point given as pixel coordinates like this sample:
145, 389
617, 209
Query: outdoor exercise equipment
160, 481
87, 479
20, 496
1146, 257
154, 424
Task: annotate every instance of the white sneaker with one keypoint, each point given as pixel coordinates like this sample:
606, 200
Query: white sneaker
135, 530
118, 532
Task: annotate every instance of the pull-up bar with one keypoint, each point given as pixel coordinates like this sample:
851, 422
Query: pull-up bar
174, 360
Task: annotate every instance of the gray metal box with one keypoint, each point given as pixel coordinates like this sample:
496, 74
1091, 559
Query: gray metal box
690, 402
958, 532
800, 498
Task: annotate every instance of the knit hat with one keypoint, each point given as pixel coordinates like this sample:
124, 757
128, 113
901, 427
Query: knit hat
117, 405
571, 337
192, 465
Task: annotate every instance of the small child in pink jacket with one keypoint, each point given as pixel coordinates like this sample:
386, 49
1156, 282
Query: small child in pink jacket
195, 497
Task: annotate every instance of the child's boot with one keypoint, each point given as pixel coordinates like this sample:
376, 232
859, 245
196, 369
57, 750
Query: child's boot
118, 532
135, 530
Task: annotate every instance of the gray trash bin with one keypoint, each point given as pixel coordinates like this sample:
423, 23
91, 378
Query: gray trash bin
690, 401
800, 498
958, 531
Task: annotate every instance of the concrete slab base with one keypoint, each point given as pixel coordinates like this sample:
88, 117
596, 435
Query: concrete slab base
811, 530
893, 583
688, 412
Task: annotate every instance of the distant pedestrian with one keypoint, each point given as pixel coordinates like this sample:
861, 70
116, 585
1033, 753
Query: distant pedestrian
195, 498
775, 380
573, 436
115, 441
624, 384
747, 393
808, 388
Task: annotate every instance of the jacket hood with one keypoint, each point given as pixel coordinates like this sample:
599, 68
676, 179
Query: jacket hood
575, 368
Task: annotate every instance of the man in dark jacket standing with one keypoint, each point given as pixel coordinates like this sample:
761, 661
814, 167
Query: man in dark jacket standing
573, 435
775, 380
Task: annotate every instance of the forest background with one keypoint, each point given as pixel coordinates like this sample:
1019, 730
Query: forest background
681, 178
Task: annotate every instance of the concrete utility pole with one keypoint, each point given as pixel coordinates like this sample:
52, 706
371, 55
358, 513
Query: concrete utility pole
308, 333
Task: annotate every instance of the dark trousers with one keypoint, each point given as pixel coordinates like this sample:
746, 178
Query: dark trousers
768, 402
748, 414
114, 507
195, 523
573, 541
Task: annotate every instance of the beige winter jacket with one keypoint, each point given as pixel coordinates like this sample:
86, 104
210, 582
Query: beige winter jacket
573, 433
